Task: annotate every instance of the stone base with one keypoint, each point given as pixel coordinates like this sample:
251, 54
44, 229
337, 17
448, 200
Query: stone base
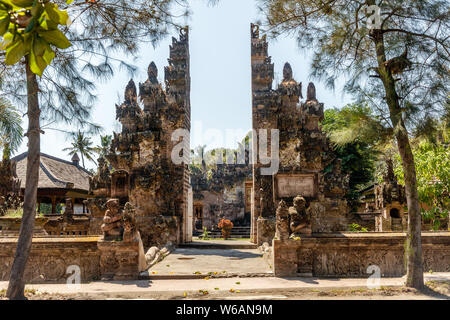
159, 230
121, 260
53, 259
265, 230
349, 255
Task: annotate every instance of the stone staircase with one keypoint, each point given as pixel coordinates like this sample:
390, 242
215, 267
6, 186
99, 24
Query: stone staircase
236, 233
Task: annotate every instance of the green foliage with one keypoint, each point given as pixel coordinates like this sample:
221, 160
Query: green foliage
30, 27
205, 234
11, 132
434, 217
354, 141
433, 173
354, 227
14, 213
105, 145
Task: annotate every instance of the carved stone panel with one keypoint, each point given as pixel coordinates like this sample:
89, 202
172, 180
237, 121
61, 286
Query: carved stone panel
291, 185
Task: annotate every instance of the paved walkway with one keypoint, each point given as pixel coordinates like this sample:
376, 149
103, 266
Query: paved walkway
270, 285
195, 261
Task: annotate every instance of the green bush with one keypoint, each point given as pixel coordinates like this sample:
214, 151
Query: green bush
354, 227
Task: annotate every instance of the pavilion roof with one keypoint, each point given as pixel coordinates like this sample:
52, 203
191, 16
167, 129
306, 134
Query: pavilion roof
54, 173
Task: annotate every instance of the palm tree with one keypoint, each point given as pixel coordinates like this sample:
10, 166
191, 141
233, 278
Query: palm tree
105, 144
83, 145
11, 132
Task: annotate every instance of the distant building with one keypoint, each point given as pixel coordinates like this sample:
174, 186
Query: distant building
58, 179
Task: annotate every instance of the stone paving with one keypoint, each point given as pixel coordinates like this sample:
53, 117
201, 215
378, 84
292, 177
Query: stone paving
195, 261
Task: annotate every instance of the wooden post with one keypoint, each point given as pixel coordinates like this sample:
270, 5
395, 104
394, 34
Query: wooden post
54, 205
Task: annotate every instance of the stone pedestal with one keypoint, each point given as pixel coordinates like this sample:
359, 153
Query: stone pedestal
265, 230
120, 260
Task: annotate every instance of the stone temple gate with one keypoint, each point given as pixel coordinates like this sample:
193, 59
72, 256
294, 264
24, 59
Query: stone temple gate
145, 175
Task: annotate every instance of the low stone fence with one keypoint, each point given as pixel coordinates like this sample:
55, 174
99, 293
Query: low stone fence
50, 258
350, 254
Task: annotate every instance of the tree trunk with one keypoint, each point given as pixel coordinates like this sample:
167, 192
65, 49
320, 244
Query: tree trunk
16, 287
413, 252
82, 159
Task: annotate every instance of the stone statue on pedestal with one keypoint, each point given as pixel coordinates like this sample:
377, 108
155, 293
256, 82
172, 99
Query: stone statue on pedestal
130, 232
300, 223
282, 224
112, 222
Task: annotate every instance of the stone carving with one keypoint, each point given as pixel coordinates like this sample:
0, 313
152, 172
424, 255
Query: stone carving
311, 93
130, 232
153, 73
300, 222
390, 191
294, 184
336, 183
130, 93
68, 211
390, 199
282, 223
289, 87
112, 222
287, 72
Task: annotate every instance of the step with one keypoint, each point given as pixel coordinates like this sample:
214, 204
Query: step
145, 275
227, 245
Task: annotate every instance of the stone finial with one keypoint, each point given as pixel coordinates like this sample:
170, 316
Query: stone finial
153, 73
254, 29
311, 92
131, 92
184, 33
287, 72
76, 159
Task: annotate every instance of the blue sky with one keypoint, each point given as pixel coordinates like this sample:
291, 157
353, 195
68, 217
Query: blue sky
220, 74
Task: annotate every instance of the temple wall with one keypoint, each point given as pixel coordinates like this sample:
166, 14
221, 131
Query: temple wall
50, 258
350, 254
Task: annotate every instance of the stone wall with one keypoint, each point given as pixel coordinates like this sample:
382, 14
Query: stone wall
222, 193
350, 254
50, 258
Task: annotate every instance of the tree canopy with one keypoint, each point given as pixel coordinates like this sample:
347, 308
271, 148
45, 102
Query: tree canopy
102, 34
11, 132
354, 136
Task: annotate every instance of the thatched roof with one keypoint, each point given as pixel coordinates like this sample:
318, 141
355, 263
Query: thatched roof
55, 173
